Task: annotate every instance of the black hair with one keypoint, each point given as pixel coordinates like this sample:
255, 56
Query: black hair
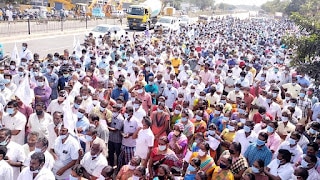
202, 175
264, 135
237, 146
260, 163
147, 121
3, 151
314, 145
286, 155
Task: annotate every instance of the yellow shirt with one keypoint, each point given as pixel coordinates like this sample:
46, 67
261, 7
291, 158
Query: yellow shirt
218, 173
228, 136
176, 62
105, 115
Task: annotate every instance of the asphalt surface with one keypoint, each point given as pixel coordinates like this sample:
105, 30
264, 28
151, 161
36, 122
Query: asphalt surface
46, 41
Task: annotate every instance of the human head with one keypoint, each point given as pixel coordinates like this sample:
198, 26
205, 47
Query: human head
37, 161
284, 156
3, 152
32, 138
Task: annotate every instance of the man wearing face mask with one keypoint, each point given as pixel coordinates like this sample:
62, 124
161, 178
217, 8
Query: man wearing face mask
259, 150
309, 163
64, 79
58, 104
10, 85
15, 121
280, 167
246, 136
41, 146
291, 144
6, 92
36, 171
6, 171
170, 93
40, 120
15, 155
93, 162
115, 137
42, 92
130, 125
65, 152
120, 90
26, 53
126, 171
52, 79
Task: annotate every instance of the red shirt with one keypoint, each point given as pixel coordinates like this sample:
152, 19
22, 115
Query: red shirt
257, 117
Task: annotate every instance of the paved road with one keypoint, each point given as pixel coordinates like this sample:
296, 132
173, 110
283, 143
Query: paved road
13, 29
49, 43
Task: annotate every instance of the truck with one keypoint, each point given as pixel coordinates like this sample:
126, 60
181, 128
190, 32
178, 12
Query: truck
144, 15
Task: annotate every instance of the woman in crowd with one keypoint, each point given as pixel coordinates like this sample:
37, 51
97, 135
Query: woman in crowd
160, 123
257, 169
207, 163
162, 155
178, 142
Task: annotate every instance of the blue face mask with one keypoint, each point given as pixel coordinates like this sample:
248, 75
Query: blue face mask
10, 111
191, 168
80, 115
254, 169
76, 106
270, 129
246, 129
260, 142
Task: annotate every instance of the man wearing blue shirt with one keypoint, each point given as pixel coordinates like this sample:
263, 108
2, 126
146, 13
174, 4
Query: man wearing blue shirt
120, 91
259, 150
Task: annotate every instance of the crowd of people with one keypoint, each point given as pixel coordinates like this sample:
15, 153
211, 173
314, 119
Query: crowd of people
209, 101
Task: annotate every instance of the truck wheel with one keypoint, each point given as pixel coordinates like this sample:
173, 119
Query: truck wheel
130, 27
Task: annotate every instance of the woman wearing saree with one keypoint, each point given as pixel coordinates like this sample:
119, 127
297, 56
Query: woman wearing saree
160, 123
162, 155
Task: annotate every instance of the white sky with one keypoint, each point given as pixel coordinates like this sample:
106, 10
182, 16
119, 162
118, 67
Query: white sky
242, 2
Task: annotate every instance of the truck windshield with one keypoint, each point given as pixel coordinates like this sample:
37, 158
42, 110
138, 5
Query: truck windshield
136, 11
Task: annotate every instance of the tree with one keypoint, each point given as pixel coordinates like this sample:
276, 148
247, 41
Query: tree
202, 4
275, 6
307, 44
225, 6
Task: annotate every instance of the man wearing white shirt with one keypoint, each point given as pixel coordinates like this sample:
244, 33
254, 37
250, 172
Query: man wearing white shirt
291, 144
58, 104
30, 146
15, 121
144, 141
36, 171
93, 162
53, 128
26, 53
66, 151
6, 92
242, 80
139, 112
6, 171
15, 154
42, 146
273, 108
171, 94
40, 120
246, 136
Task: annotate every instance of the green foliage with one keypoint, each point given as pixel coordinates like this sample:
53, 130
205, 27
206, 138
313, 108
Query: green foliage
225, 6
202, 4
305, 14
275, 6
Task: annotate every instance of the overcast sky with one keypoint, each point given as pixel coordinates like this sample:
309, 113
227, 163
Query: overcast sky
245, 2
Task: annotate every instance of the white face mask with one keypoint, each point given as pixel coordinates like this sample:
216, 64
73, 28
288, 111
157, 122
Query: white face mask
201, 153
135, 177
